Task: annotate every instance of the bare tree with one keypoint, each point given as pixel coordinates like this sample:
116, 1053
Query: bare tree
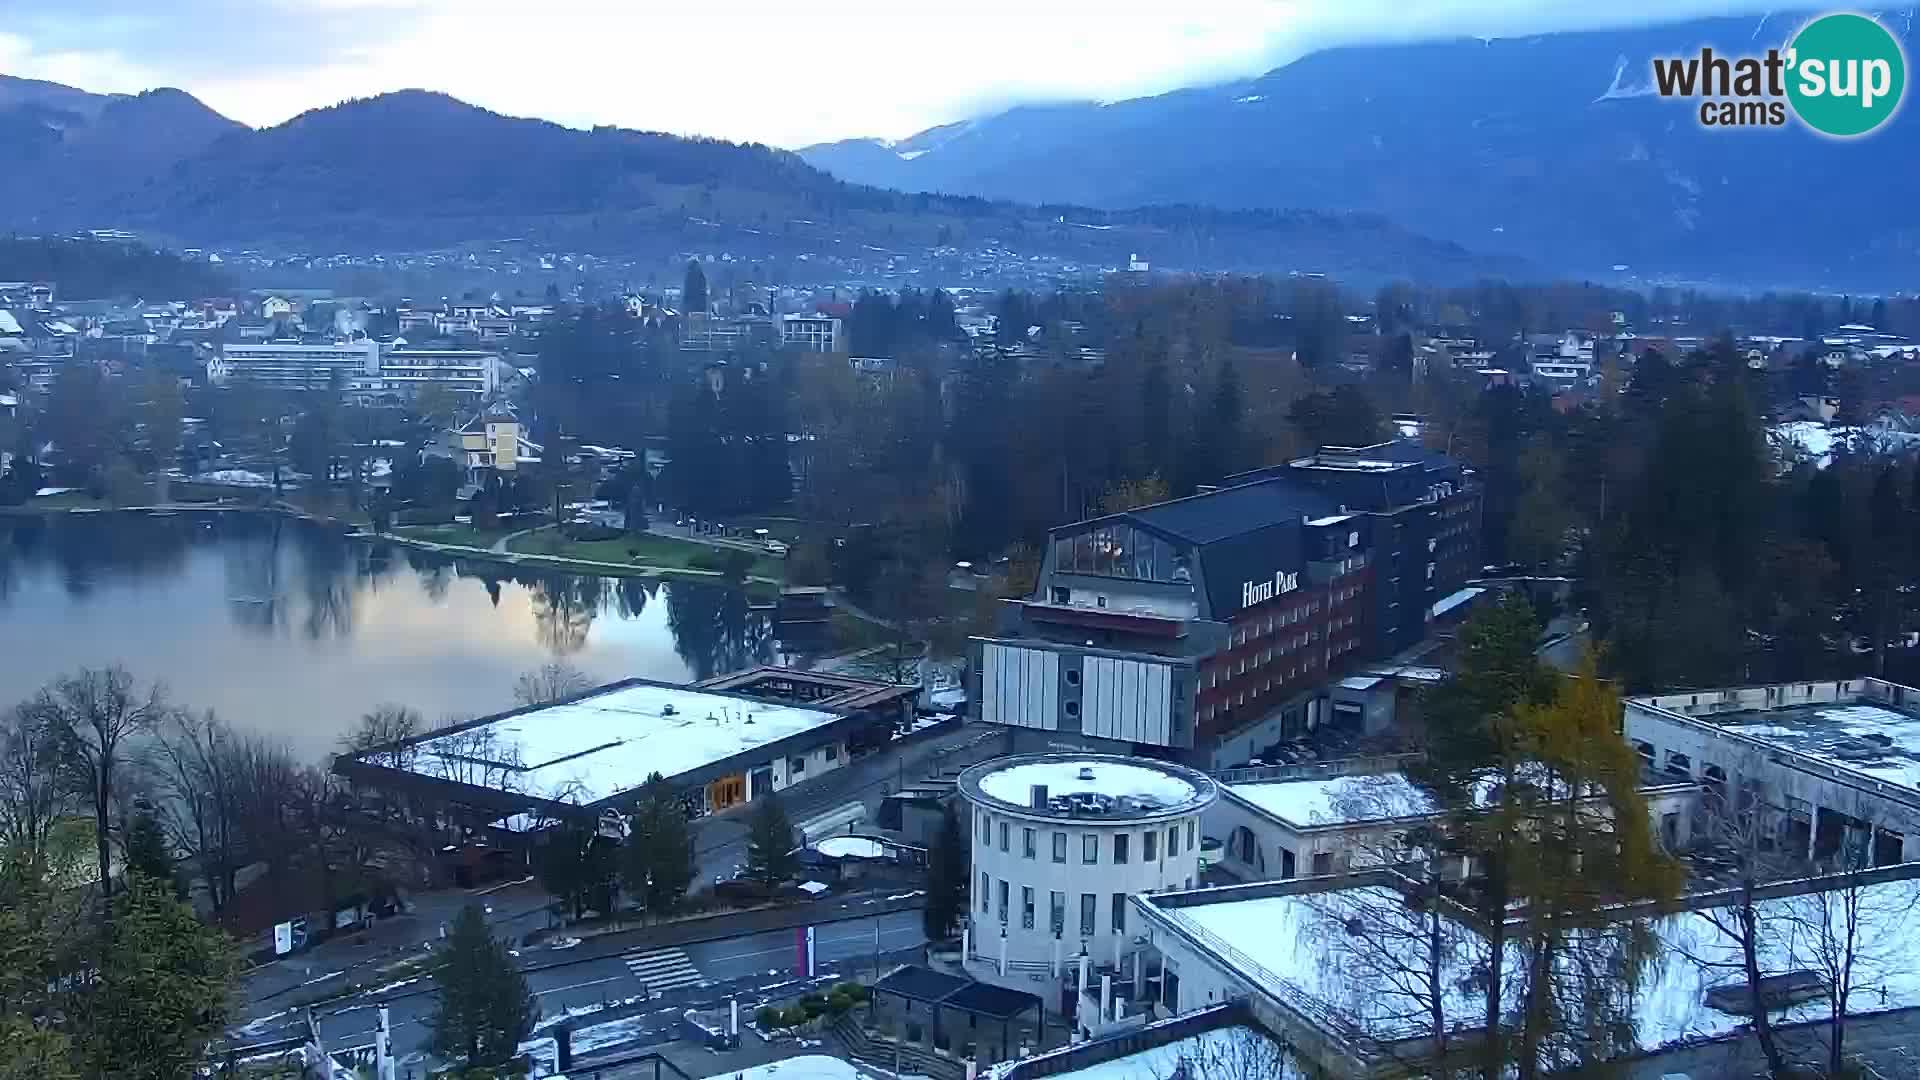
1853, 935
1235, 1053
198, 762
1398, 945
384, 736
550, 682
476, 756
266, 785
32, 798
97, 718
1740, 827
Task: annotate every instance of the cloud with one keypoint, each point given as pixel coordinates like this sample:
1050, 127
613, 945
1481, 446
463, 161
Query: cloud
747, 69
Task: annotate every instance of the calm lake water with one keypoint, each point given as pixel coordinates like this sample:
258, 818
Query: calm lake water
287, 629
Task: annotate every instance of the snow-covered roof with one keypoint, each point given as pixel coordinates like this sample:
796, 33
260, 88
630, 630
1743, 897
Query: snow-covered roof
1337, 800
1454, 600
1881, 742
608, 741
1122, 785
1237, 1044
1302, 946
804, 1067
850, 847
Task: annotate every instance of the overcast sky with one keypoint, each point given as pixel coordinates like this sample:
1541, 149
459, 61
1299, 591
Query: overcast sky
786, 73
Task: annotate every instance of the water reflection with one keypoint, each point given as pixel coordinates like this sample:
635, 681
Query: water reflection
289, 628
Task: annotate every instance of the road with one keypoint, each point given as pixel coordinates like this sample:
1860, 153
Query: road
720, 840
755, 969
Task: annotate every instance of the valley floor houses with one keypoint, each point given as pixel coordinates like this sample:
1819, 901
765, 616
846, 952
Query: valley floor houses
720, 743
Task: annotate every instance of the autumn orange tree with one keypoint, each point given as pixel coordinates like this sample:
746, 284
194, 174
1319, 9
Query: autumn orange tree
1550, 816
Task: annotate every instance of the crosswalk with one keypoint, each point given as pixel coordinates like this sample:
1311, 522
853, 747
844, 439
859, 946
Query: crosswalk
663, 969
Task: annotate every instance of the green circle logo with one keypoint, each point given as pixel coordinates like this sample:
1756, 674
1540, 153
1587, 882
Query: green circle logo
1846, 75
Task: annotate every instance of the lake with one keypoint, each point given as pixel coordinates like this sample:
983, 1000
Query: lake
288, 629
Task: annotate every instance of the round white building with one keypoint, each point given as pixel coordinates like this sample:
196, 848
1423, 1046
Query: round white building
1061, 840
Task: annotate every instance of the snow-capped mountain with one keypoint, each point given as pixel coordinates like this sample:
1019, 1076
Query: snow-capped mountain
1554, 147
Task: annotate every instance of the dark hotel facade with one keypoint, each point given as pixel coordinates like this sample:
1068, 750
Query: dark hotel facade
1187, 623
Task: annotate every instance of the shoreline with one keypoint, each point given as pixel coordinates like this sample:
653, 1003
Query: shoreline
353, 531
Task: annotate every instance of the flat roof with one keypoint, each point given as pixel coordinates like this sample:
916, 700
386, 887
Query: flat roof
1337, 800
1089, 786
1874, 739
1222, 1047
1301, 945
606, 741
803, 1067
817, 689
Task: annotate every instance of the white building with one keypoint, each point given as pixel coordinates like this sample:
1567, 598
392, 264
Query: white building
1283, 822
1837, 764
1321, 966
813, 333
1059, 843
363, 366
718, 747
477, 372
294, 366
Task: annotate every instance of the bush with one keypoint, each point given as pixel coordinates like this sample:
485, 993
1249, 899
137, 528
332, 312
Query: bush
839, 1004
813, 1005
767, 1017
796, 1016
853, 990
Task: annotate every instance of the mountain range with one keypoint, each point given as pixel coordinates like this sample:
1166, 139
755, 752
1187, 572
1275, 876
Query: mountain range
415, 170
1553, 148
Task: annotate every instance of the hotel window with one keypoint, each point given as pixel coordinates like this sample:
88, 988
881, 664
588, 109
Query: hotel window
1173, 841
1088, 902
1119, 849
1029, 842
1057, 905
1090, 848
1060, 847
1190, 828
1005, 831
1148, 842
1026, 907
986, 892
796, 766
1119, 913
1003, 901
986, 828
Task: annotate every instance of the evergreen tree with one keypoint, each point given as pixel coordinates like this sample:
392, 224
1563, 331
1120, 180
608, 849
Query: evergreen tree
485, 1008
1156, 398
148, 852
27, 969
1497, 672
161, 988
947, 878
576, 867
769, 843
657, 861
693, 296
1227, 409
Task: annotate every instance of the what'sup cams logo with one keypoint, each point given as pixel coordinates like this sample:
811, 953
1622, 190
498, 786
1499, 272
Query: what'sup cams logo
1842, 75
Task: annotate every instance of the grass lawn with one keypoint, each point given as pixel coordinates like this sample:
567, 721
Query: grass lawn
789, 530
647, 549
455, 533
